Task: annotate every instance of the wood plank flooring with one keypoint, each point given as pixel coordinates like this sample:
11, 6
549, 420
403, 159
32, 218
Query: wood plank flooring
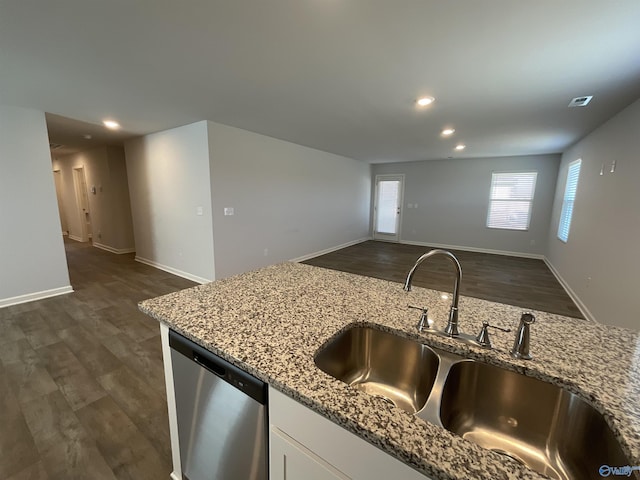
524, 282
81, 380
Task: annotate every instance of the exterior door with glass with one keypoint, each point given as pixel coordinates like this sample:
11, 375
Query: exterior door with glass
388, 207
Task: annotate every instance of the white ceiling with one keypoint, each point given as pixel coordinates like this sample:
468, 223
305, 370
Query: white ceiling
337, 75
69, 136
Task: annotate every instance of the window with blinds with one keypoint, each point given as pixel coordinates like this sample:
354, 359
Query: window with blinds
511, 199
568, 200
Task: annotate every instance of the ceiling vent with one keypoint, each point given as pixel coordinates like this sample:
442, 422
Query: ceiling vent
55, 146
580, 101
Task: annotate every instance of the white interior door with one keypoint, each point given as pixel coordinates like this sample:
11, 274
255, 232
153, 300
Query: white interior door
82, 199
387, 212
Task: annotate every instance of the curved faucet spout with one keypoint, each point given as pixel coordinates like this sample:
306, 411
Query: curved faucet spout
452, 325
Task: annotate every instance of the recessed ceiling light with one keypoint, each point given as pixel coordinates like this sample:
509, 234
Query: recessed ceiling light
448, 131
87, 136
111, 124
424, 101
460, 147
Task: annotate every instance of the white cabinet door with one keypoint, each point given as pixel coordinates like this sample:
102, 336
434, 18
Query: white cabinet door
325, 450
292, 461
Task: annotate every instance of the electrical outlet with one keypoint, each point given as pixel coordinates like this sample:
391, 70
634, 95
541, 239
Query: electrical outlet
228, 211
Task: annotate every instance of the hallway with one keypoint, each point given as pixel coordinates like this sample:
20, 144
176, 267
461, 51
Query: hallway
81, 379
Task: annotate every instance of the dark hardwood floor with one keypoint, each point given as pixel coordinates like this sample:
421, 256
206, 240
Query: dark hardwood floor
524, 282
81, 379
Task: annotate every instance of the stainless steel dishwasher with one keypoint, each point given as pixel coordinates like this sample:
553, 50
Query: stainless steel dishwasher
222, 416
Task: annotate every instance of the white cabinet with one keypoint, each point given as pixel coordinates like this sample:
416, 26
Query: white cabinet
305, 445
292, 461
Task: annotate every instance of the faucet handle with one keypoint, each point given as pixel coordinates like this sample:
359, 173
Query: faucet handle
483, 337
423, 324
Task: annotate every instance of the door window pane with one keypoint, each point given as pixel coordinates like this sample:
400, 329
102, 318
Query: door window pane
387, 206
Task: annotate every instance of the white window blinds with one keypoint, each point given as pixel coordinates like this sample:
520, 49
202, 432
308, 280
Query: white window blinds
568, 200
511, 199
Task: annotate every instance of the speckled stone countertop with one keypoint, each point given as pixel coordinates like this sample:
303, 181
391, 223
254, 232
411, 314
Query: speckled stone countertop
272, 321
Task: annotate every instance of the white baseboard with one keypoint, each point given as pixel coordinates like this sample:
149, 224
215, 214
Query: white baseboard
537, 256
576, 299
31, 297
174, 271
119, 251
328, 250
174, 476
76, 238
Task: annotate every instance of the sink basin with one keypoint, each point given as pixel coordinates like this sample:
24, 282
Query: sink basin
530, 421
399, 370
536, 423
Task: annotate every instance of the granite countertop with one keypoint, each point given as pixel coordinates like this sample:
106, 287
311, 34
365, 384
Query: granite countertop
272, 321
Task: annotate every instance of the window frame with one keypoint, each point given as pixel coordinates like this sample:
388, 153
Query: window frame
566, 213
496, 174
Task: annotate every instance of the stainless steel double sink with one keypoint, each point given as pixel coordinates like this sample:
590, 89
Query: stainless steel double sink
538, 424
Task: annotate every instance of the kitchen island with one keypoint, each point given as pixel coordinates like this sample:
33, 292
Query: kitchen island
271, 322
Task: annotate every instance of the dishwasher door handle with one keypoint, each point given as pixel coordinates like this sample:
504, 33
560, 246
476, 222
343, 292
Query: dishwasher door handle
213, 367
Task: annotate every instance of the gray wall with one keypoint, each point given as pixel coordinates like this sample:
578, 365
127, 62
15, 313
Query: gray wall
109, 207
289, 201
32, 257
120, 234
453, 198
600, 261
168, 176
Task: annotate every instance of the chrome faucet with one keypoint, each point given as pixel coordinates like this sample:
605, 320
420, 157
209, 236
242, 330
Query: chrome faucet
523, 336
451, 329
